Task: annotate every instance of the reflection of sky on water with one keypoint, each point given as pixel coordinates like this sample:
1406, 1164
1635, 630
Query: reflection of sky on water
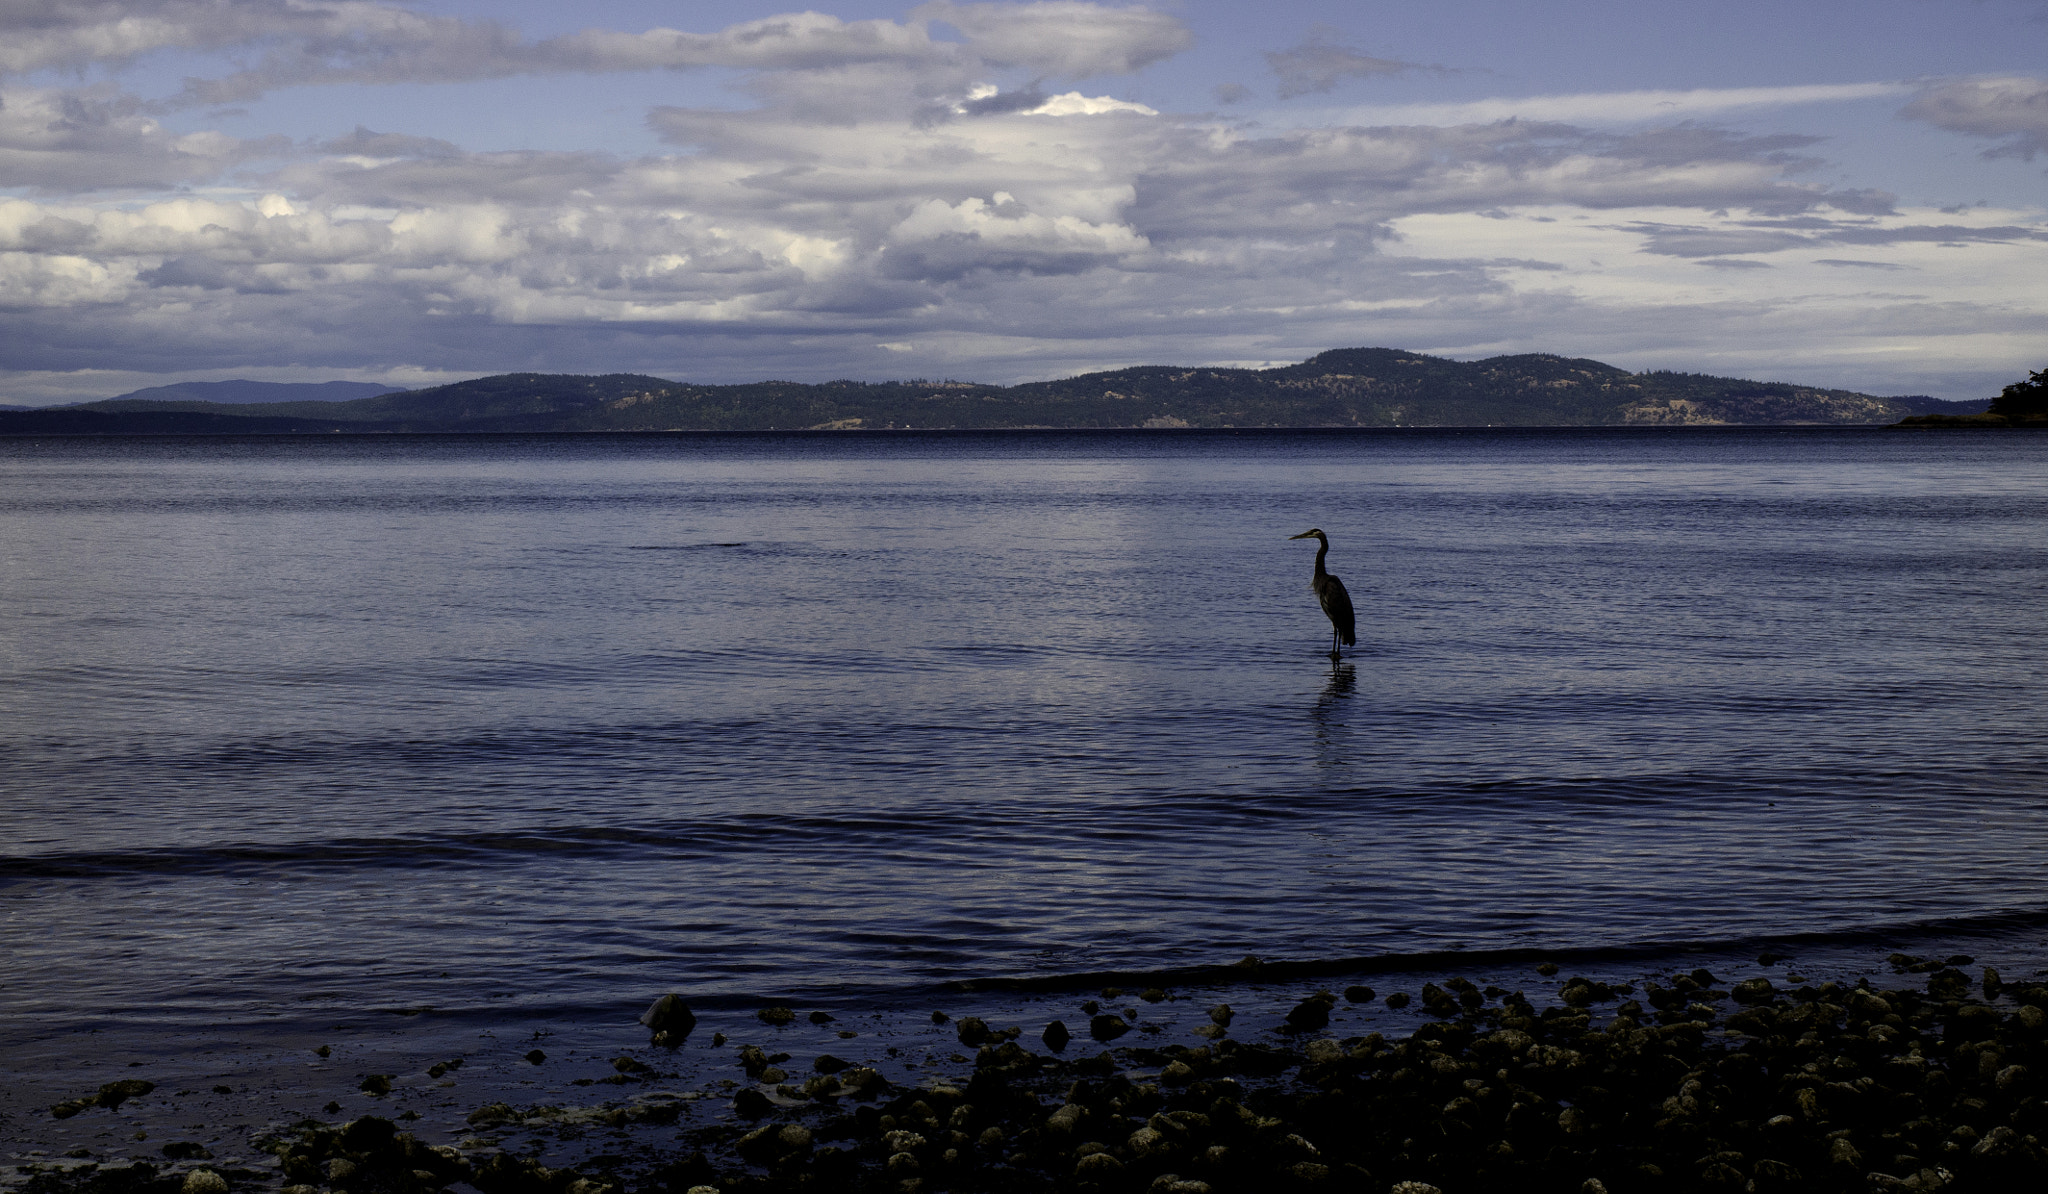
293, 722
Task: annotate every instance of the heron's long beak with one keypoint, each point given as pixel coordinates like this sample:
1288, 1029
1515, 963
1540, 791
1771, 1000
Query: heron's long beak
1303, 535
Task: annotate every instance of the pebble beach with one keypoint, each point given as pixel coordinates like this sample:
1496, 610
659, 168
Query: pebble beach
1924, 1074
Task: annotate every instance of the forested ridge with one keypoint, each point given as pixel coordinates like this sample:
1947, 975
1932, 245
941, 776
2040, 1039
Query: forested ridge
1347, 387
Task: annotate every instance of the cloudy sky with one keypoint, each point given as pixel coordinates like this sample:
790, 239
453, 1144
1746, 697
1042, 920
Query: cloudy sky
1848, 193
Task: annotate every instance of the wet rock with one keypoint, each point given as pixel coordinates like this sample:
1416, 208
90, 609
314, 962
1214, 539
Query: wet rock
1994, 986
1398, 1000
1546, 969
1444, 1007
1152, 995
204, 1181
775, 1017
1221, 1014
1056, 1036
1753, 990
1107, 1027
1098, 1167
113, 1094
794, 1138
940, 1017
1947, 984
822, 1086
1311, 1013
1358, 994
535, 1057
828, 1064
1063, 1120
748, 1103
973, 1031
376, 1084
669, 1020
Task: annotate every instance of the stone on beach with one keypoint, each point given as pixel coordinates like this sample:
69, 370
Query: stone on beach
669, 1019
1056, 1036
1311, 1013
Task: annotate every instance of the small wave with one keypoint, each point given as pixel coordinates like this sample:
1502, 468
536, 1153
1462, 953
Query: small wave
1637, 954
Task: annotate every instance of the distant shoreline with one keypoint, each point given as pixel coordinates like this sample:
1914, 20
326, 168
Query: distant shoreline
859, 433
1983, 422
1345, 387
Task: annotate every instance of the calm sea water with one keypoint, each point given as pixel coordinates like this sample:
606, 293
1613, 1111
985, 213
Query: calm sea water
542, 724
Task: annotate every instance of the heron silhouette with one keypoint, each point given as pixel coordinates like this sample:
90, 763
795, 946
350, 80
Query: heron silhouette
1335, 601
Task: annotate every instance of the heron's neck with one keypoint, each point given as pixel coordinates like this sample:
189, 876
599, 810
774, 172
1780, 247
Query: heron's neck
1320, 553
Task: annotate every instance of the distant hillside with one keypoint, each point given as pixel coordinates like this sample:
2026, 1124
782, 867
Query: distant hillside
1349, 387
241, 393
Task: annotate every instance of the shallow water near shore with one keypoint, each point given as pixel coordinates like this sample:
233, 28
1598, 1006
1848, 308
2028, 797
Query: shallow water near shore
299, 731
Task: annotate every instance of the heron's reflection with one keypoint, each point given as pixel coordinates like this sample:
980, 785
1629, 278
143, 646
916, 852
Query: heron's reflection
1329, 727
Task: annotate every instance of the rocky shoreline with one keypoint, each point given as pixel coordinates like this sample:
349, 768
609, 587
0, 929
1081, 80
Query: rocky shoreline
1932, 1081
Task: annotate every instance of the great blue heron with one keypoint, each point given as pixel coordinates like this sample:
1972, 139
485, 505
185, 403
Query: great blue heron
1335, 601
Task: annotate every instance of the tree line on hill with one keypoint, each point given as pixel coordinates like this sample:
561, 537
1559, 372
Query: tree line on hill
2021, 404
1350, 387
